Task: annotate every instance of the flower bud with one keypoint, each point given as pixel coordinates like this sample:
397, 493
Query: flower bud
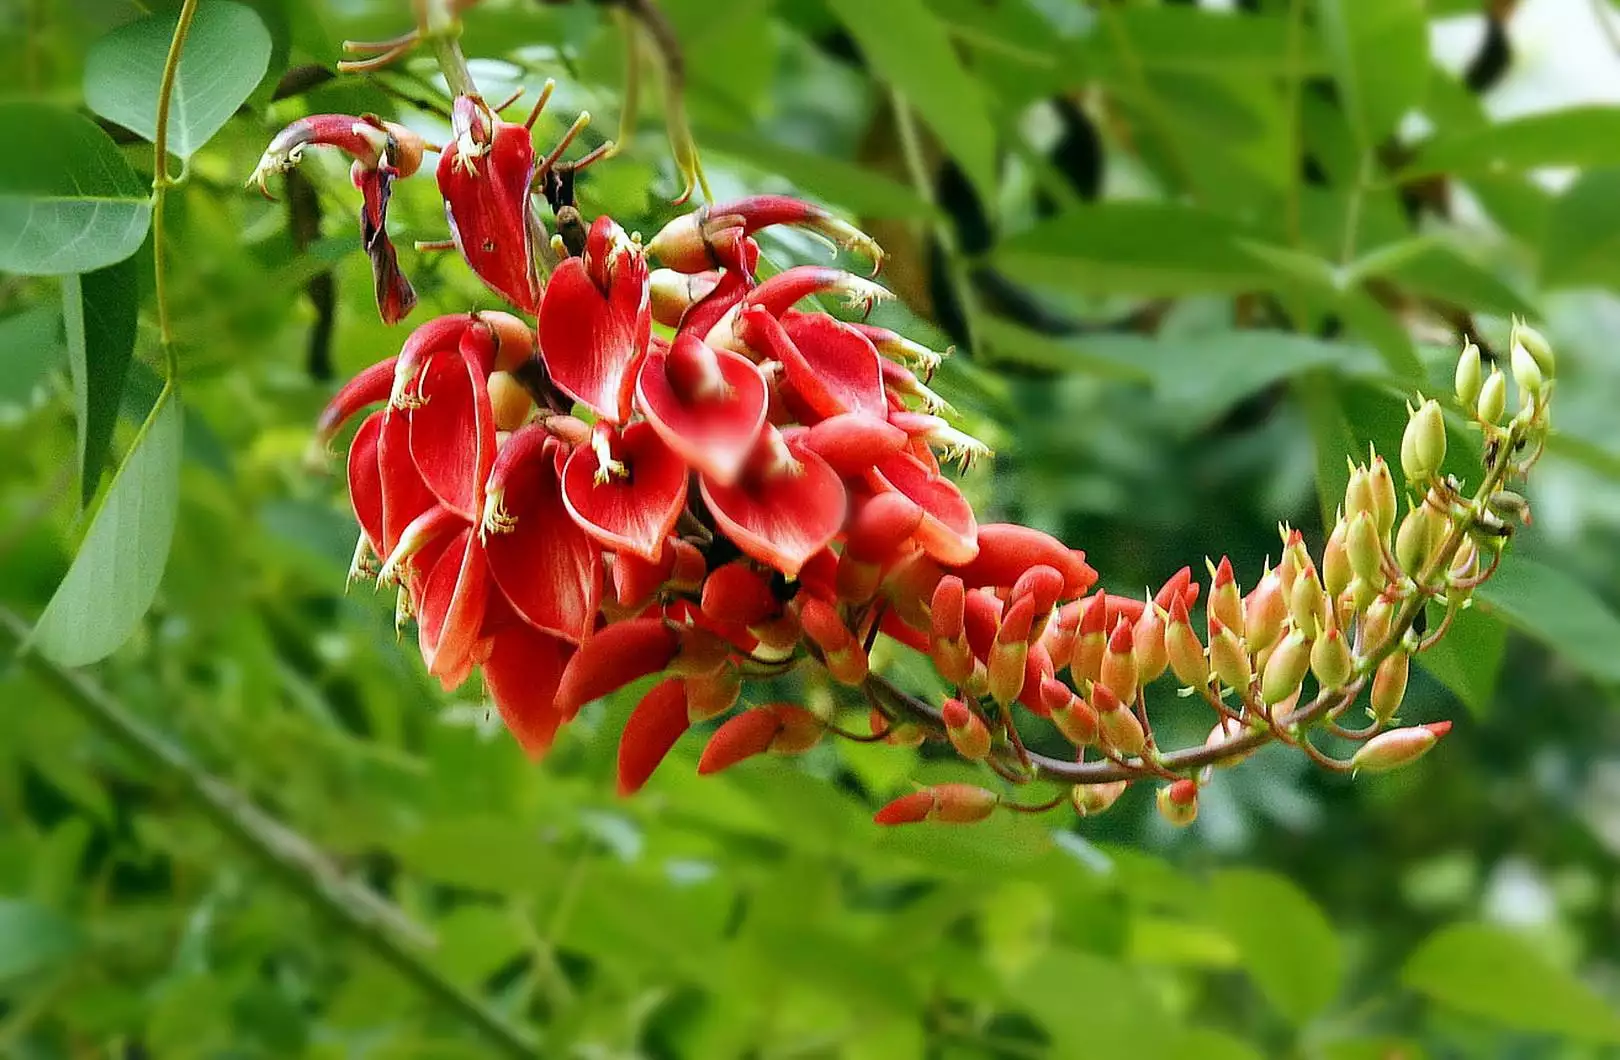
1336, 571
1535, 345
1182, 648
1285, 669
1389, 685
1119, 663
1526, 373
1228, 657
1092, 799
1423, 446
1492, 397
897, 733
1398, 747
948, 803
1072, 715
1148, 637
1506, 504
1363, 550
1331, 660
1358, 492
1061, 632
1117, 723
1308, 603
1416, 540
966, 730
1470, 375
1465, 564
1362, 593
1265, 609
1178, 802
845, 658
1010, 652
1090, 641
1225, 602
1375, 622
711, 695
948, 643
1383, 493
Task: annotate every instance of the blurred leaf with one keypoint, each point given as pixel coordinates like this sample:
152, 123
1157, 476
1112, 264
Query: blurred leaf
120, 563
30, 346
1016, 344
1287, 945
225, 55
1189, 39
1379, 51
483, 853
1554, 608
33, 939
907, 45
1581, 243
1468, 659
1120, 1018
1588, 137
99, 310
1204, 1044
1143, 248
1428, 266
1489, 973
70, 202
856, 188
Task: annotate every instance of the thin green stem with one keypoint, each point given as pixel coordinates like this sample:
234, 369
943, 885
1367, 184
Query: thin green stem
160, 193
441, 29
369, 917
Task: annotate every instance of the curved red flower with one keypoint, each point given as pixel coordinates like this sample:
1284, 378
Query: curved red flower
596, 321
707, 405
522, 670
484, 177
452, 431
949, 531
787, 506
626, 490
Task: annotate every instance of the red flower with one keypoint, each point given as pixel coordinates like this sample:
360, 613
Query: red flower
626, 490
485, 176
596, 321
787, 506
708, 406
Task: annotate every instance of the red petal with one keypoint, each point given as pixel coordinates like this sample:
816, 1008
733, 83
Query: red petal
743, 736
522, 671
453, 429
591, 348
370, 387
781, 520
365, 481
833, 368
649, 733
614, 657
738, 594
487, 203
854, 443
733, 286
451, 612
1007, 550
404, 495
546, 566
907, 809
635, 512
949, 531
713, 434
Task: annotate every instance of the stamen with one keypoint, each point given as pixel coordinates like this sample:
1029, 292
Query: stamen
540, 104
607, 468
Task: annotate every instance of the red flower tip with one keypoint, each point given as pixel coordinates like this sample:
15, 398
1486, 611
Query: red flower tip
522, 670
949, 803
737, 593
371, 387
948, 531
1094, 619
1007, 550
1042, 584
1174, 589
1438, 728
907, 809
1223, 574
650, 732
1055, 695
1018, 623
484, 177
966, 730
614, 657
1122, 641
948, 608
777, 727
845, 658
1104, 701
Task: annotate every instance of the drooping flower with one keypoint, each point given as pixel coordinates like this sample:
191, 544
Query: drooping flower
596, 322
485, 176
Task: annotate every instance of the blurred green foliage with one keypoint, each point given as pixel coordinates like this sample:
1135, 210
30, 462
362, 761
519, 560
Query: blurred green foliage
1192, 258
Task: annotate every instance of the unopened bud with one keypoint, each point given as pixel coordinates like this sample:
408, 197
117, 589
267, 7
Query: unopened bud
1416, 540
966, 730
1308, 603
1183, 649
1331, 660
1358, 492
1526, 373
1265, 610
1228, 657
1225, 731
1119, 663
1336, 571
1090, 641
1148, 638
1470, 375
1363, 549
1072, 715
1117, 724
1362, 593
1092, 799
1465, 564
1225, 602
1492, 397
1398, 747
1376, 620
1383, 493
1178, 802
1423, 446
1389, 685
1285, 669
1509, 505
1536, 345
897, 733
948, 803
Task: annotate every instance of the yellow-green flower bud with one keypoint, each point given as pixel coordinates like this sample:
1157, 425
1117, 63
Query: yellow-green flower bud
1358, 492
1308, 603
1228, 657
1536, 345
1363, 550
1389, 685
1526, 372
1331, 661
1398, 747
1383, 491
1423, 446
1415, 541
1492, 398
1470, 375
1285, 669
1336, 571
1091, 799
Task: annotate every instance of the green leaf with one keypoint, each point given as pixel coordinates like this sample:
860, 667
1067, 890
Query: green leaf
1012, 343
1552, 607
1287, 944
30, 346
1491, 974
483, 853
1427, 266
908, 46
98, 310
1206, 1044
116, 573
225, 55
1581, 242
1584, 137
1187, 39
1379, 51
1468, 659
1141, 248
856, 188
69, 203
33, 939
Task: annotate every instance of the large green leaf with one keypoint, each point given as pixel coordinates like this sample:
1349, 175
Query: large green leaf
119, 565
1587, 137
1468, 659
1287, 944
1142, 248
69, 202
224, 57
1491, 974
30, 346
1379, 51
98, 310
908, 46
1581, 242
1554, 608
1168, 37
33, 939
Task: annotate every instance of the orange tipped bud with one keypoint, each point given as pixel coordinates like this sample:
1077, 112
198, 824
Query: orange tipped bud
1285, 669
1119, 663
779, 727
1264, 610
1060, 634
1092, 799
1182, 648
1225, 602
1331, 661
1398, 747
1148, 637
1090, 641
1177, 588
1010, 652
612, 658
1178, 802
909, 586
1336, 569
946, 608
844, 656
1308, 602
1077, 722
1117, 724
711, 695
651, 730
966, 730
1375, 623
1389, 685
948, 803
1229, 658
1041, 583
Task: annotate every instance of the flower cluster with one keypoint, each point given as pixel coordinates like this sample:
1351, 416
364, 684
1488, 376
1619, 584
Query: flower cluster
679, 471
